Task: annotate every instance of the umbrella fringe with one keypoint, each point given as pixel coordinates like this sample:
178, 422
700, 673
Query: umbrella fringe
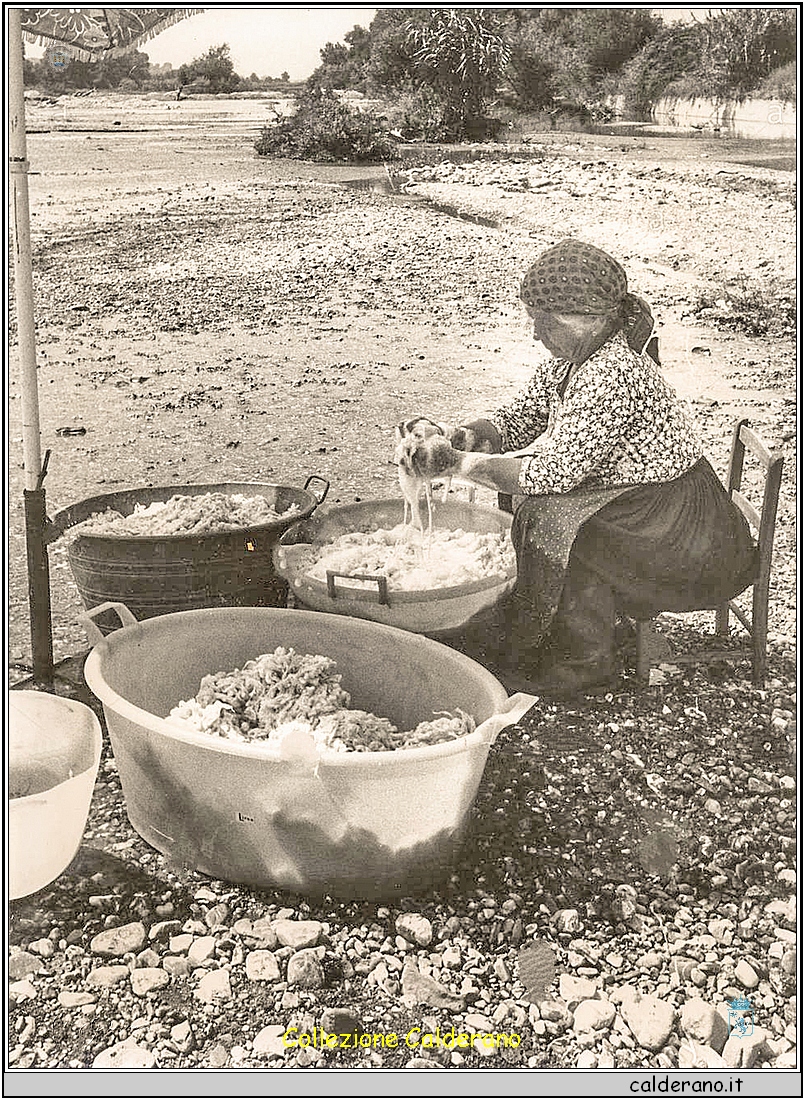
80, 53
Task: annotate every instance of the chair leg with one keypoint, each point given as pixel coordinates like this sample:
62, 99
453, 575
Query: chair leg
760, 629
723, 619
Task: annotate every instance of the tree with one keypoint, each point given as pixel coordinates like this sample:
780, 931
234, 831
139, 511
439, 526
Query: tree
214, 70
460, 53
741, 46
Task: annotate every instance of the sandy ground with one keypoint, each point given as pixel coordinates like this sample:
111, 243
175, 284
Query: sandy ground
209, 316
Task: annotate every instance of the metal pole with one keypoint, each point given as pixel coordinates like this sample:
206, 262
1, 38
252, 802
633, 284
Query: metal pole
35, 512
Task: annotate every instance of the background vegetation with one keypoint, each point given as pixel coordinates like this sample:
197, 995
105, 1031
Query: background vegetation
456, 74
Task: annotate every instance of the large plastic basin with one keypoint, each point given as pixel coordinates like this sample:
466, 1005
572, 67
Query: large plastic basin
53, 755
357, 824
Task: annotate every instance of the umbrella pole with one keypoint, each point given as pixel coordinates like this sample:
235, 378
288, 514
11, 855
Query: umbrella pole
35, 512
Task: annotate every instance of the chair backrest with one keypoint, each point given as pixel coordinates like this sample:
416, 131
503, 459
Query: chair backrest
762, 521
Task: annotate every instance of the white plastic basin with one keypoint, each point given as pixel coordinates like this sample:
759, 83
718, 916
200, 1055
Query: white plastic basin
54, 753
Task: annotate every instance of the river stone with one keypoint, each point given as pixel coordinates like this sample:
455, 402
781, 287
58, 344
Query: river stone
745, 973
575, 990
114, 942
743, 1052
177, 965
567, 920
702, 1024
214, 986
650, 1019
593, 1016
261, 966
180, 943
340, 1021
182, 1036
263, 932
269, 1040
305, 970
418, 989
422, 1063
148, 978
125, 1055
694, 1055
200, 950
297, 933
104, 977
415, 928
162, 930
69, 998
21, 964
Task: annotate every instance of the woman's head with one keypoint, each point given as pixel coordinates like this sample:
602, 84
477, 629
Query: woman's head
577, 289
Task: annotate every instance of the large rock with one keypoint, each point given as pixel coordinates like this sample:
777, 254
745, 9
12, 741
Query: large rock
297, 933
21, 964
125, 1055
651, 1020
201, 949
262, 966
701, 1023
305, 970
419, 989
340, 1021
114, 942
415, 928
70, 998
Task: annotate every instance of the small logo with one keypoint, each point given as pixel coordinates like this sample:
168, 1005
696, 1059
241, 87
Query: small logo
741, 1017
58, 57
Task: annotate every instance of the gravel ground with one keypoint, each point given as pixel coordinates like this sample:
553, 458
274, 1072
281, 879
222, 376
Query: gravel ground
630, 863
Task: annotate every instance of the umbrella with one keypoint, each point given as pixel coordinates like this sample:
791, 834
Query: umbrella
86, 33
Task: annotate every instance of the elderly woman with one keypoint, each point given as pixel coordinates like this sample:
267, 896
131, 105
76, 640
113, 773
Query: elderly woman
618, 511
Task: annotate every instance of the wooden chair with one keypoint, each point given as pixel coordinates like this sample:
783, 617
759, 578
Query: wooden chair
762, 523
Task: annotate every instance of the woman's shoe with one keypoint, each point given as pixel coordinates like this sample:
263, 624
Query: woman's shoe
563, 679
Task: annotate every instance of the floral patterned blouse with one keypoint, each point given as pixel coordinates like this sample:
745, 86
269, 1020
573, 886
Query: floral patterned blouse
618, 423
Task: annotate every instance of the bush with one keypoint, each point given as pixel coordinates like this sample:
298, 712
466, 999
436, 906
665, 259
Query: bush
417, 116
767, 308
325, 129
780, 84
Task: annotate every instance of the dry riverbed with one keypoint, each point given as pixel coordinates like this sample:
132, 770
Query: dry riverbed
207, 316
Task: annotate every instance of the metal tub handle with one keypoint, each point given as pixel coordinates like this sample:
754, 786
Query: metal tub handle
380, 579
87, 620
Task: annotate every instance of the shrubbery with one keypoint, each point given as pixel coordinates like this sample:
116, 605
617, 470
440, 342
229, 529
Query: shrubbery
325, 129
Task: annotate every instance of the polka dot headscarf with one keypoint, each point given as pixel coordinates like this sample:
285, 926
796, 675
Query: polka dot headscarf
574, 277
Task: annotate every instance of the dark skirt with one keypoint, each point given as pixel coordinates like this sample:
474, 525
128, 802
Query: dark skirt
679, 545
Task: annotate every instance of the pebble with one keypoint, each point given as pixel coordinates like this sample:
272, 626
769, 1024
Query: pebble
114, 942
693, 1055
650, 1019
148, 978
746, 975
743, 1052
305, 970
262, 966
567, 920
125, 1055
200, 950
701, 1023
593, 1015
162, 930
182, 1036
269, 1040
263, 931
74, 999
297, 933
45, 948
418, 989
574, 990
422, 1063
181, 943
415, 928
586, 1060
176, 965
214, 986
21, 964
340, 1021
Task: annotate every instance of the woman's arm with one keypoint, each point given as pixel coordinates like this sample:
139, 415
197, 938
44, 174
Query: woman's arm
494, 471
